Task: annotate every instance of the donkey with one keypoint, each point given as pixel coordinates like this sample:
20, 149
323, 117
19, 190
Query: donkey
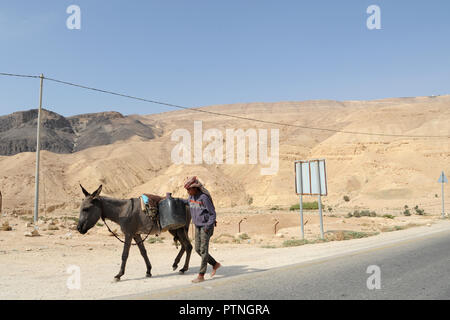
133, 222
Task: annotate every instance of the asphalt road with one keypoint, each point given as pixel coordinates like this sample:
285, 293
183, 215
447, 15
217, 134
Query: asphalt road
410, 269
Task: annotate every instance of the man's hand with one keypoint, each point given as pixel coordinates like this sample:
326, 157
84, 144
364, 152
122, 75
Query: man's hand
207, 228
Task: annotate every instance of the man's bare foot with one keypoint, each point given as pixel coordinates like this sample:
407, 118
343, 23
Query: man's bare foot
216, 266
200, 278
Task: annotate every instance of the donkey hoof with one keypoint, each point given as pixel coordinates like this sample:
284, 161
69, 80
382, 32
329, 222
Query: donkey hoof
182, 271
116, 279
148, 275
174, 268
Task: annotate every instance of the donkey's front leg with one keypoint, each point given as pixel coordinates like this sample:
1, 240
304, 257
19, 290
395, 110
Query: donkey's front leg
141, 246
126, 250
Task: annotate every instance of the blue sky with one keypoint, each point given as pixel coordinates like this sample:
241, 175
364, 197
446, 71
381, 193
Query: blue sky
199, 53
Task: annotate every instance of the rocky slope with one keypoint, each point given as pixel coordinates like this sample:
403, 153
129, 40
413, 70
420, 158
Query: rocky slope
67, 135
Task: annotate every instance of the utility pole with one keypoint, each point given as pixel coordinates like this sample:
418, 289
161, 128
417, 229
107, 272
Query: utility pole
38, 151
443, 179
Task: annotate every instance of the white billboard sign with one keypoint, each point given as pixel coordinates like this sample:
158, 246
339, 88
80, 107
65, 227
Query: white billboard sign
311, 177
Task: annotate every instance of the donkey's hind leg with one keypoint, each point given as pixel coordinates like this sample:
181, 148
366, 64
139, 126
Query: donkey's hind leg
186, 243
180, 254
141, 246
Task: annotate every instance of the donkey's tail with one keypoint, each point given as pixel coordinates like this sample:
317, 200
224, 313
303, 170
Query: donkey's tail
176, 239
188, 221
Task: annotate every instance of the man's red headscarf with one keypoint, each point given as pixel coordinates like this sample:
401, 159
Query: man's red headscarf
194, 182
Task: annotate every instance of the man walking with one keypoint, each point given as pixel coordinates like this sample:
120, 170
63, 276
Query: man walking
204, 218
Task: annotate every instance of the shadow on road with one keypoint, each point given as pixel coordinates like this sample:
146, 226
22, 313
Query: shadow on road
235, 270
223, 272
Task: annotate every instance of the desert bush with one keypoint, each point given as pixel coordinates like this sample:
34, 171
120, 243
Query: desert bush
365, 213
346, 198
75, 219
394, 228
311, 205
154, 240
355, 235
244, 236
407, 212
397, 228
340, 235
269, 246
223, 238
368, 213
388, 216
419, 211
28, 219
294, 243
306, 206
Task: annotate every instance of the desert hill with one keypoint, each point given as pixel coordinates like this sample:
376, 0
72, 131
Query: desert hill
378, 172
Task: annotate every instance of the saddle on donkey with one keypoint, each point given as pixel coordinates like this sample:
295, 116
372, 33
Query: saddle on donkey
170, 213
149, 204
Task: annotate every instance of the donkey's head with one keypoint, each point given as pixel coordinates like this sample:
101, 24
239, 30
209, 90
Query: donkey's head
90, 210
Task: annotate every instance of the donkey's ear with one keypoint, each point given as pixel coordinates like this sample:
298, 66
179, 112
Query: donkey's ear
86, 194
96, 193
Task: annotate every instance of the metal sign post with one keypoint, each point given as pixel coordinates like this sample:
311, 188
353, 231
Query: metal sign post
442, 180
319, 200
38, 150
311, 179
301, 217
299, 191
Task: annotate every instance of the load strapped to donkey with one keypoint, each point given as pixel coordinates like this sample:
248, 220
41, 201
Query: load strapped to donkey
169, 213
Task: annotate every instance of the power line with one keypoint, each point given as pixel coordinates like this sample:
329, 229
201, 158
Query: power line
17, 75
224, 114
235, 116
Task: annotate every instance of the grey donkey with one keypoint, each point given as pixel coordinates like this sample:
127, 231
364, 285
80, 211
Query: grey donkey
133, 222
